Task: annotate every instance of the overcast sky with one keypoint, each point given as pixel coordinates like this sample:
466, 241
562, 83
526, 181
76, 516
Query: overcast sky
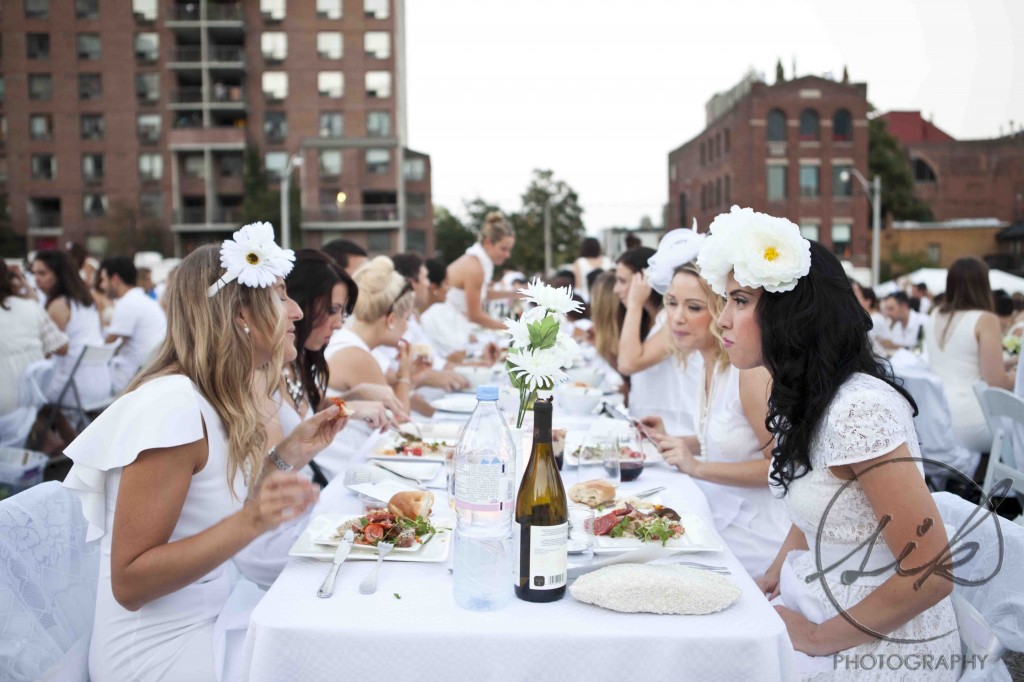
601, 90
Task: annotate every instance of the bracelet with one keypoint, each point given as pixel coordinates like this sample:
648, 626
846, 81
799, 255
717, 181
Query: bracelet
403, 380
278, 462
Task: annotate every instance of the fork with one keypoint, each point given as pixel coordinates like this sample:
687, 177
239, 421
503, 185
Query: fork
722, 570
369, 584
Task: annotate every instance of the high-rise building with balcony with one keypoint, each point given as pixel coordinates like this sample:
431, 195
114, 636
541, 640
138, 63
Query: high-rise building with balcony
119, 113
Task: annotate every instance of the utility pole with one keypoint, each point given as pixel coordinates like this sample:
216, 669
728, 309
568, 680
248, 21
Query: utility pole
547, 237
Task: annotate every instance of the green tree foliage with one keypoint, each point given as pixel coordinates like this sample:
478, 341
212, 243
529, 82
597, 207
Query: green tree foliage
567, 229
129, 231
263, 203
11, 245
887, 159
780, 75
899, 264
451, 236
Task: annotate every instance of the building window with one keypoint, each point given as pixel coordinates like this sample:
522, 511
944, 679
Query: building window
728, 144
90, 86
147, 127
272, 10
90, 126
40, 127
92, 167
275, 126
275, 85
276, 163
841, 235
376, 9
87, 9
935, 253
377, 44
274, 45
147, 48
809, 127
144, 10
809, 231
703, 198
329, 45
378, 84
842, 180
37, 9
718, 145
330, 164
842, 126
703, 154
2, 92
809, 179
330, 84
328, 9
378, 242
416, 241
151, 167
44, 167
88, 46
777, 183
776, 126
147, 88
37, 45
682, 210
718, 192
923, 172
151, 204
193, 165
94, 205
378, 123
332, 124
728, 191
414, 169
378, 161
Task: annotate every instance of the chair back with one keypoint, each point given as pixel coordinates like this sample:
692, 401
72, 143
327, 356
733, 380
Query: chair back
97, 355
48, 580
934, 425
1004, 413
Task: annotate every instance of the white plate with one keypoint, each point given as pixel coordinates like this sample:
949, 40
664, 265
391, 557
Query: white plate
327, 538
574, 439
434, 551
455, 403
697, 538
391, 440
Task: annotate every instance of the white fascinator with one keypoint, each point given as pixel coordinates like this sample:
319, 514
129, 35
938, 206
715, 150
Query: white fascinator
676, 248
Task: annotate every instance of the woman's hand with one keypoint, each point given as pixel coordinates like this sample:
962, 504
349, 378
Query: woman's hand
802, 632
372, 412
405, 360
280, 497
379, 393
653, 426
639, 291
677, 454
769, 582
311, 436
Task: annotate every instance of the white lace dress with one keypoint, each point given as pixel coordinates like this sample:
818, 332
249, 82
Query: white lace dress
867, 419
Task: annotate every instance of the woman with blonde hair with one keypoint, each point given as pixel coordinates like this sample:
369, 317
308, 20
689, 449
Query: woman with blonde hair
604, 313
471, 274
176, 477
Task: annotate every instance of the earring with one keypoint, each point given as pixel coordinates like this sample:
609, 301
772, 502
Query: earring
391, 327
245, 328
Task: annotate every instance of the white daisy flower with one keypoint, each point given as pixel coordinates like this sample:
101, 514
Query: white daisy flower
556, 299
567, 349
519, 331
537, 368
253, 258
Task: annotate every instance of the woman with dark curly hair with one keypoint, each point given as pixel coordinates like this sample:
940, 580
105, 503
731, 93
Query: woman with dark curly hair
844, 452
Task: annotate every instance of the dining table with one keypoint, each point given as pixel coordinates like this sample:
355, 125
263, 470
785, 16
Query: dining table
411, 627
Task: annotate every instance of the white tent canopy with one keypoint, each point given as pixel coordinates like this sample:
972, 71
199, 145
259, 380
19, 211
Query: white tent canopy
935, 278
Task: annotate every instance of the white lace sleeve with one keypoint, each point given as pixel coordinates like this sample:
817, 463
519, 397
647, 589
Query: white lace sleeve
861, 424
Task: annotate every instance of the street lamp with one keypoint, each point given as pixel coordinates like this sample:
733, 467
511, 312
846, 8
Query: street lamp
339, 202
294, 161
874, 194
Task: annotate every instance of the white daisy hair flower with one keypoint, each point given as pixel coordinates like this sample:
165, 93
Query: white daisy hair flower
676, 248
253, 258
537, 368
555, 299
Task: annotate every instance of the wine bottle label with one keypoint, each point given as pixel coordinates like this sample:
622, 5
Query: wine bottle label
482, 487
548, 556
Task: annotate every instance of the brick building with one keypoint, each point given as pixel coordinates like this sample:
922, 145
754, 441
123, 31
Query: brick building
786, 149
148, 107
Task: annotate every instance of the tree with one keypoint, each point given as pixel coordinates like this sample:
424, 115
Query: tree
780, 75
887, 159
451, 236
128, 231
899, 264
477, 210
846, 75
11, 245
262, 203
566, 215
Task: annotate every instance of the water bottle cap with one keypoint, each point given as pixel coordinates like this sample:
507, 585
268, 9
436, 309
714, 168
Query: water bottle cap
486, 392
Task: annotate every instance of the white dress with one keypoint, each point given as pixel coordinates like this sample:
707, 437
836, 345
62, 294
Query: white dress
457, 297
658, 390
93, 382
956, 361
867, 419
753, 523
177, 636
21, 344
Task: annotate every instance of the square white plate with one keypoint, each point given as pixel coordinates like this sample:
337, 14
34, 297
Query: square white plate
305, 546
391, 440
697, 538
574, 439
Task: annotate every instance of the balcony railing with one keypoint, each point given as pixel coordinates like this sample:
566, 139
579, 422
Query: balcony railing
188, 53
367, 213
187, 96
224, 12
228, 214
186, 12
44, 219
190, 216
226, 53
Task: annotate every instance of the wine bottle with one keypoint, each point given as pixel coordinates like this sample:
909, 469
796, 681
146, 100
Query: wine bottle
541, 528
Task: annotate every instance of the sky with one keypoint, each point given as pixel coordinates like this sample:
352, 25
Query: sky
600, 91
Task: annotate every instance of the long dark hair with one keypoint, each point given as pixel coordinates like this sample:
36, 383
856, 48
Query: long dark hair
636, 260
813, 339
69, 282
6, 288
967, 287
310, 284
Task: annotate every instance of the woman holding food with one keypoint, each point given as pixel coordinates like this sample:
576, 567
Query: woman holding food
177, 475
842, 458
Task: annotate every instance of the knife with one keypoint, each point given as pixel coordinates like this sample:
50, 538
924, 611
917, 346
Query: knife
647, 493
340, 554
636, 556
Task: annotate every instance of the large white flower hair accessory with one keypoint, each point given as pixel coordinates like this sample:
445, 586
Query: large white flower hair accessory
676, 248
253, 258
758, 249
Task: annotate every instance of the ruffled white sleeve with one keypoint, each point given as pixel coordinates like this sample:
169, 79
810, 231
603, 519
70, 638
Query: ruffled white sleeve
161, 413
862, 423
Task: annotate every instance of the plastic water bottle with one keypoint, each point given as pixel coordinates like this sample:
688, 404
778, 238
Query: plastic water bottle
485, 466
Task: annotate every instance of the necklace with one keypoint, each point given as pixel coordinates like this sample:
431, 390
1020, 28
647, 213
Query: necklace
703, 409
294, 387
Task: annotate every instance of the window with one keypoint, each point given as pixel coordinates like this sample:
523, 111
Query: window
703, 154
728, 191
377, 44
808, 125
274, 46
37, 45
777, 183
935, 253
193, 165
272, 10
809, 231
923, 172
276, 162
378, 123
90, 86
147, 88
151, 204
728, 144
809, 180
776, 126
682, 209
841, 235
330, 163
92, 167
1, 88
378, 84
378, 161
842, 180
329, 45
416, 205
40, 126
40, 86
44, 167
147, 48
275, 85
88, 46
328, 9
144, 10
718, 145
376, 9
151, 167
332, 124
37, 9
275, 126
842, 126
416, 241
703, 198
94, 205
718, 192
330, 84
147, 128
90, 126
415, 169
87, 9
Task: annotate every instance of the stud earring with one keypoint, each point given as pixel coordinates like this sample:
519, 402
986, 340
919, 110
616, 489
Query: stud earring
245, 328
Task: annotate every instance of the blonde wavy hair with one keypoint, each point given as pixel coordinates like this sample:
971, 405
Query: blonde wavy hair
715, 305
205, 343
604, 314
381, 291
495, 228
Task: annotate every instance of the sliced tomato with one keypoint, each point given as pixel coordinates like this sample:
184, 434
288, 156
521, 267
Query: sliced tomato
604, 524
416, 452
373, 532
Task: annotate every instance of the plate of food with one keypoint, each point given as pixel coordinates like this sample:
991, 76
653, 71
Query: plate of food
406, 446
628, 528
577, 448
602, 496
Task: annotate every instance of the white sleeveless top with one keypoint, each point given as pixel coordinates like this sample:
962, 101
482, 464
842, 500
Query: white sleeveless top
666, 390
93, 382
350, 445
956, 362
457, 297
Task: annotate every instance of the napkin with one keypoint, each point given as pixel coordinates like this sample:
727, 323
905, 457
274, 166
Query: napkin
367, 473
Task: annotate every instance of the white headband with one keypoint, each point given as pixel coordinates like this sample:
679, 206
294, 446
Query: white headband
676, 248
253, 258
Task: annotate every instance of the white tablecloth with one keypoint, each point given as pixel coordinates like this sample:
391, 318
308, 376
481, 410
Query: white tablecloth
423, 635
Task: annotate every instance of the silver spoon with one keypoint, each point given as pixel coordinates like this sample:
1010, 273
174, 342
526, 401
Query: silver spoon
369, 584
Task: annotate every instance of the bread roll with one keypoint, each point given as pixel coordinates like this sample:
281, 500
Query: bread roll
592, 493
411, 503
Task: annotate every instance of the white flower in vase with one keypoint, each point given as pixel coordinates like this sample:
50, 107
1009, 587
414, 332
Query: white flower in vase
537, 369
555, 299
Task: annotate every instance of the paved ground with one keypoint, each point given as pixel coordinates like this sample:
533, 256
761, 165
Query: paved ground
1015, 662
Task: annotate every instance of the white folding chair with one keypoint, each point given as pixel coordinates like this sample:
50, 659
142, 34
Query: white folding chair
91, 356
1004, 413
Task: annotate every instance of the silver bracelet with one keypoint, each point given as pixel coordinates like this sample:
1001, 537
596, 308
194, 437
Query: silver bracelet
278, 462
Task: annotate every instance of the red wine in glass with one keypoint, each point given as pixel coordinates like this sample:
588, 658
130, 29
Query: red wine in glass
630, 470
